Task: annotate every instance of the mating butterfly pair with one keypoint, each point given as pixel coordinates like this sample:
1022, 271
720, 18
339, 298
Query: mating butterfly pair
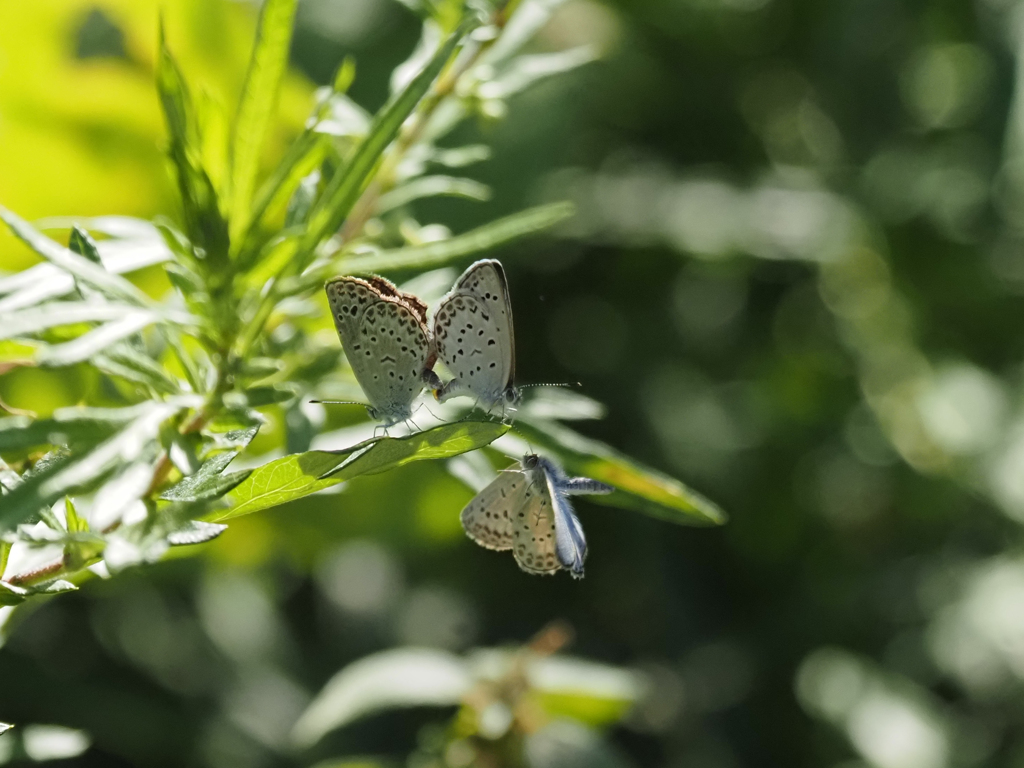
392, 353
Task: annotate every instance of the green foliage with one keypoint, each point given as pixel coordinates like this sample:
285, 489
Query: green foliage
189, 377
527, 686
256, 107
298, 475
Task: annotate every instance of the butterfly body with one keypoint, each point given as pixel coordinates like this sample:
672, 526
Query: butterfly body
527, 509
385, 338
475, 339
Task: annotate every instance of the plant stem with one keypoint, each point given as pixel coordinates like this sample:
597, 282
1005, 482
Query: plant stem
42, 573
385, 179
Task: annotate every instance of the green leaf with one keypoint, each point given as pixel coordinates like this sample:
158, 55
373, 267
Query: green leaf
55, 587
302, 200
234, 438
300, 159
12, 595
195, 532
460, 157
4, 728
69, 474
404, 677
76, 524
523, 23
478, 240
5, 553
205, 225
58, 313
74, 427
527, 70
298, 475
344, 189
209, 482
125, 361
69, 261
8, 480
596, 694
259, 99
433, 186
260, 396
637, 487
89, 344
83, 244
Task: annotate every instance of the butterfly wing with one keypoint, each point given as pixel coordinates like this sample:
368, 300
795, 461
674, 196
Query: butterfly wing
569, 542
386, 343
474, 334
534, 529
488, 518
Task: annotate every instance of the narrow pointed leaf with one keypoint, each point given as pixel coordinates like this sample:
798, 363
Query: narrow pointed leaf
637, 487
259, 98
344, 189
96, 340
195, 532
69, 261
433, 186
403, 677
298, 475
300, 159
76, 524
209, 482
82, 244
69, 474
206, 227
127, 362
54, 587
73, 427
527, 70
479, 240
12, 595
58, 313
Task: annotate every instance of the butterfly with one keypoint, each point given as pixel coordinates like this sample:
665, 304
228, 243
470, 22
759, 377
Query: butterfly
527, 510
474, 337
384, 334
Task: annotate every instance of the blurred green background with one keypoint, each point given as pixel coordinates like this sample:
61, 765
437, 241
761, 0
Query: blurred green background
796, 279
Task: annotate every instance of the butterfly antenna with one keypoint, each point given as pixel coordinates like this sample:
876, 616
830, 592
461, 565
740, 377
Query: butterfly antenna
569, 385
338, 402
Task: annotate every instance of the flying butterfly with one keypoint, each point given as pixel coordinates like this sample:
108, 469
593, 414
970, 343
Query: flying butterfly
384, 334
527, 510
474, 337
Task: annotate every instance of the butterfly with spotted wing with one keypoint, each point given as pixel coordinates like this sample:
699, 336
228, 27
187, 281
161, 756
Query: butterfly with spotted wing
526, 509
475, 339
384, 334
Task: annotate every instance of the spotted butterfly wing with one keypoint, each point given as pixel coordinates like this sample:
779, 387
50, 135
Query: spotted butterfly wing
535, 536
386, 342
474, 336
488, 518
527, 510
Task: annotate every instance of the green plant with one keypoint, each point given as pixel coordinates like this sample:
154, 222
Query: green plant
186, 380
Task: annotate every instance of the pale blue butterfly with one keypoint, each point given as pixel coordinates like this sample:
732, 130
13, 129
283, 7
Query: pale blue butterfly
475, 339
527, 510
385, 337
